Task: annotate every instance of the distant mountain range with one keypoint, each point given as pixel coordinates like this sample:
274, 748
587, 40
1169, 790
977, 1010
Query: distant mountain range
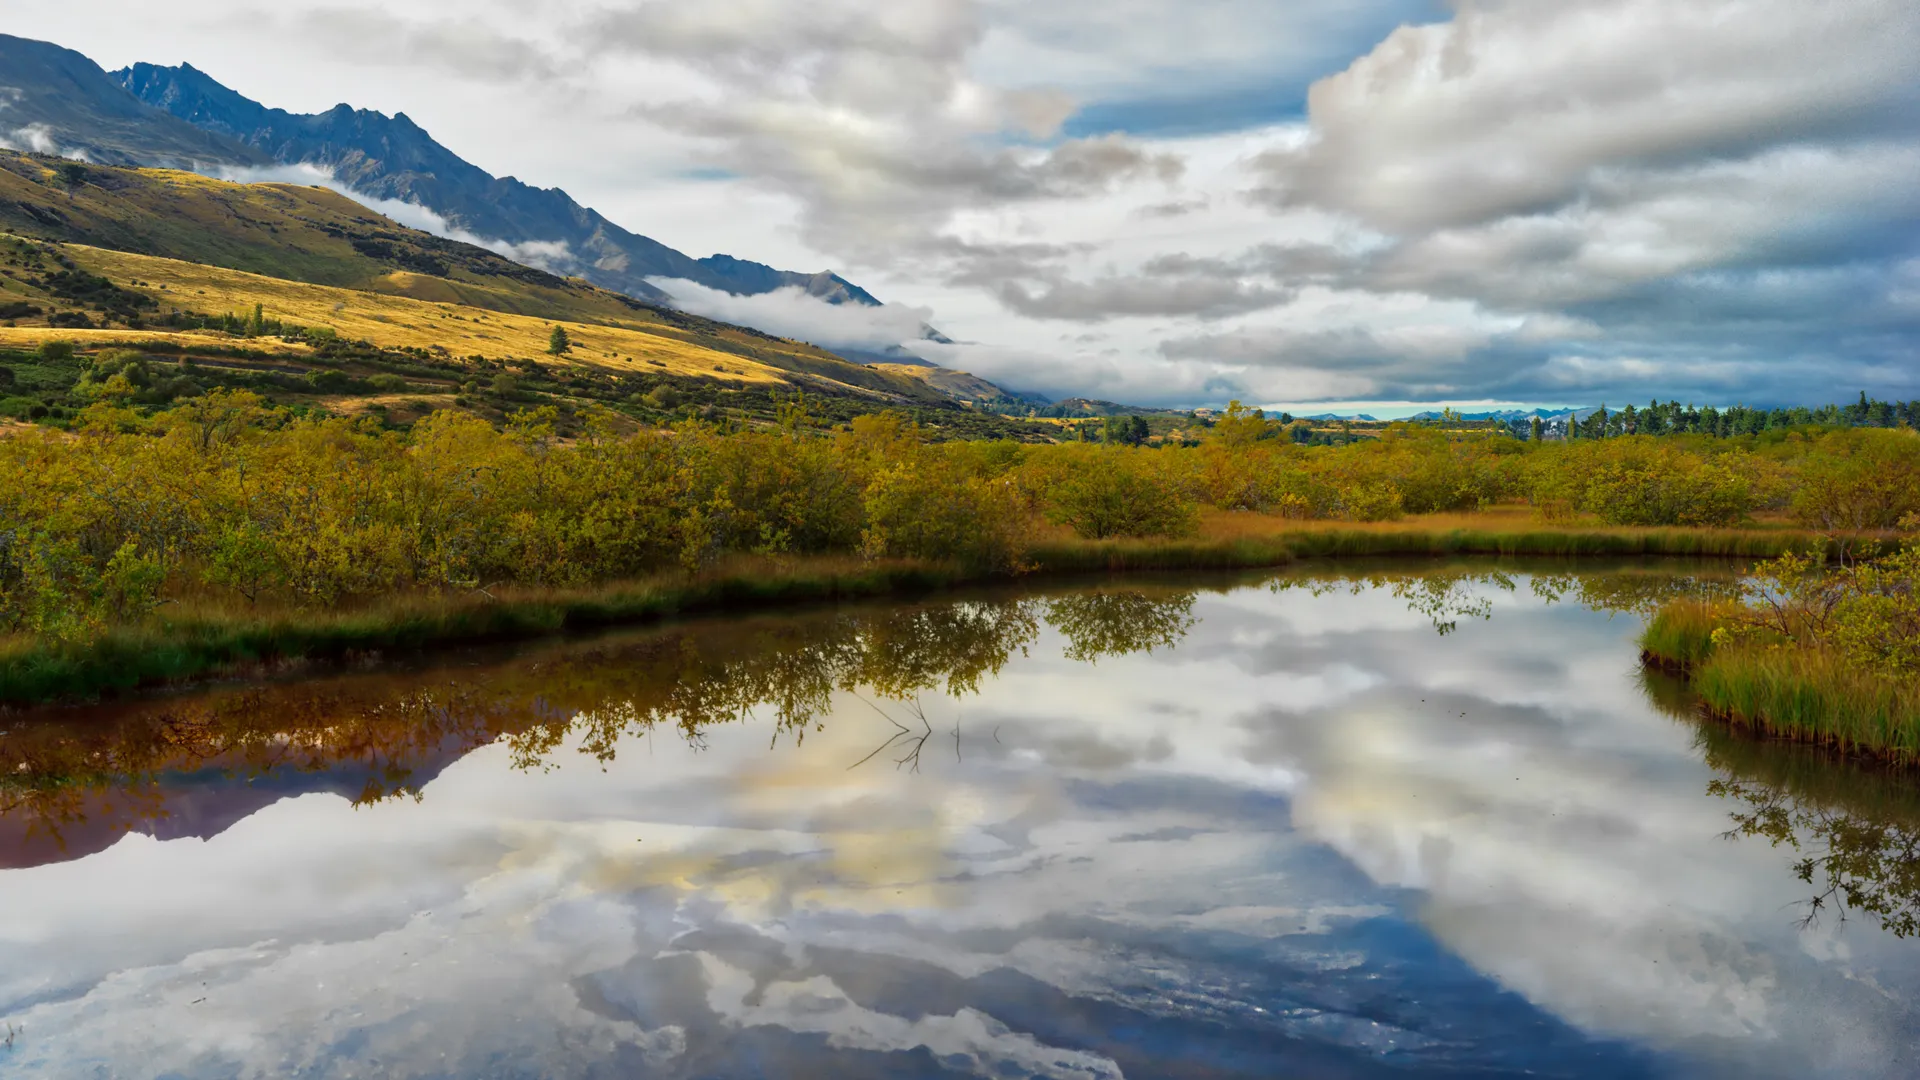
55, 100
1511, 415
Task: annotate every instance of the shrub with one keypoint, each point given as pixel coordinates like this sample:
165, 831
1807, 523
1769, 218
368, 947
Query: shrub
983, 524
1638, 480
1860, 479
1108, 494
20, 408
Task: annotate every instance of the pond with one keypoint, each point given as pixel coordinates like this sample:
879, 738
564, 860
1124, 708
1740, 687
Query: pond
1373, 822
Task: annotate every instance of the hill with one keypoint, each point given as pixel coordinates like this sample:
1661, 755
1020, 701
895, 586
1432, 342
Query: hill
317, 237
81, 326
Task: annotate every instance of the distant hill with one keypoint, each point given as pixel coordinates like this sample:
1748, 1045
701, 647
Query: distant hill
1509, 415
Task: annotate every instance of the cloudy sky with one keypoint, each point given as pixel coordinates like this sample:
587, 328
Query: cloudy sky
1341, 201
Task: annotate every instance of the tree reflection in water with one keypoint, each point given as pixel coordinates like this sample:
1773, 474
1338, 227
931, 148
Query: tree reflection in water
1446, 595
72, 782
1851, 827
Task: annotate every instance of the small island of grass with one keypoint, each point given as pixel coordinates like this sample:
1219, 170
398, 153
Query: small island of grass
1811, 653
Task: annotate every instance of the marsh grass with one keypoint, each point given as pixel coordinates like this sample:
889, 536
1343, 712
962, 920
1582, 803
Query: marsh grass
1799, 692
1814, 696
203, 635
1243, 540
201, 639
1679, 637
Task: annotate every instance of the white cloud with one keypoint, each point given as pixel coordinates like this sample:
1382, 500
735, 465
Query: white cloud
791, 312
869, 116
1510, 107
1707, 199
39, 139
553, 256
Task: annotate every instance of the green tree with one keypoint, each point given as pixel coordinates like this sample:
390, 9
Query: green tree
1539, 429
1124, 431
1240, 426
558, 342
73, 176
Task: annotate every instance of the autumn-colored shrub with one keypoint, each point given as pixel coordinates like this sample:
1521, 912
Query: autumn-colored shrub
1640, 480
1860, 479
1109, 492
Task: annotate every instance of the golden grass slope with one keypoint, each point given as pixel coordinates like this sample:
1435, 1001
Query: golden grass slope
388, 321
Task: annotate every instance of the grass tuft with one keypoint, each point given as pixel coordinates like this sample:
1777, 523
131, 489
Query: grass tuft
1811, 695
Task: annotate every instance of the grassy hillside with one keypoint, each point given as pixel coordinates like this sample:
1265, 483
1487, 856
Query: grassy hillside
316, 237
81, 325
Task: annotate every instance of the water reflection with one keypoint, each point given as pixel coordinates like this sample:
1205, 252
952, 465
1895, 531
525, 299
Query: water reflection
1157, 828
72, 785
1446, 596
1850, 827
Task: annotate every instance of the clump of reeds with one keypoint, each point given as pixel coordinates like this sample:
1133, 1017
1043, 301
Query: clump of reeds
1679, 637
1816, 655
1812, 695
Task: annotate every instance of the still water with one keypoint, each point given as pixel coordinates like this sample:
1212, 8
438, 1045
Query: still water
1369, 825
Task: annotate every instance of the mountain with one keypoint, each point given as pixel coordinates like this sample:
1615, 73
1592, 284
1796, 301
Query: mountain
139, 243
55, 100
391, 157
1510, 416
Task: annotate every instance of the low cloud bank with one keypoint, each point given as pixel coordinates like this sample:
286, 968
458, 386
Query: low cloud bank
553, 256
794, 313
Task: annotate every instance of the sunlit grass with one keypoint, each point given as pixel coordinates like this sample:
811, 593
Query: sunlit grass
195, 636
1811, 695
392, 321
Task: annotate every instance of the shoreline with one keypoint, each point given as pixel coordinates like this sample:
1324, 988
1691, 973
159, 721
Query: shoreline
170, 651
1785, 694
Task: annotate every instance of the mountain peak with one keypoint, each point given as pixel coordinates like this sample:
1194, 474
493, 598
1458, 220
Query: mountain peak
392, 157
82, 111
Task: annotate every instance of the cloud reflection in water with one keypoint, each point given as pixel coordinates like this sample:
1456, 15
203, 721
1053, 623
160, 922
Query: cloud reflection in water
1304, 834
